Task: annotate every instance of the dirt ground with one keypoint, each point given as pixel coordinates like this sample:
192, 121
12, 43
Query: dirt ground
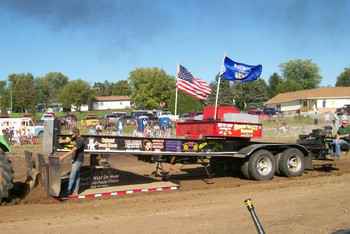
317, 202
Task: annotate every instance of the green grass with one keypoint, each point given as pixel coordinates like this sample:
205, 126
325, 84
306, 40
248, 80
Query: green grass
290, 121
80, 115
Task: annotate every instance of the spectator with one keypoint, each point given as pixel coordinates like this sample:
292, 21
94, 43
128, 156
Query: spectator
338, 143
165, 125
316, 117
156, 130
120, 127
17, 136
328, 119
343, 133
148, 131
337, 122
98, 129
141, 123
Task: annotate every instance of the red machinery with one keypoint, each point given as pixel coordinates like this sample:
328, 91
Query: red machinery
229, 123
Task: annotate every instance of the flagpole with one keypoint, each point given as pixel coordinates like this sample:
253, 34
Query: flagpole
217, 96
218, 88
176, 92
176, 102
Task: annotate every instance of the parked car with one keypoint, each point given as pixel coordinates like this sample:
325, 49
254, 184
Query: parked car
269, 111
191, 116
138, 113
255, 111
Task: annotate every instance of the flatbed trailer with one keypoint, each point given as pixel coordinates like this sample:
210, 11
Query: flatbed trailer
222, 145
256, 160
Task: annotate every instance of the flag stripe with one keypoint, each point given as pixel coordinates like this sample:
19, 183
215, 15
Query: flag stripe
191, 85
193, 93
203, 85
194, 88
184, 85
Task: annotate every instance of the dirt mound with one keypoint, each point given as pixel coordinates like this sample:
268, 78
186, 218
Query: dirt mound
38, 196
20, 194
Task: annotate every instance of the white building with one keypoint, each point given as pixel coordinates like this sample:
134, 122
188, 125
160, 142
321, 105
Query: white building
322, 99
111, 103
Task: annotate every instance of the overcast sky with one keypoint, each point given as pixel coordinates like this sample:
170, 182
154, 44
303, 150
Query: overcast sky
106, 39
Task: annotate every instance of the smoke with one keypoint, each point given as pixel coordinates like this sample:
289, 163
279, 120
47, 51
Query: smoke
130, 22
117, 21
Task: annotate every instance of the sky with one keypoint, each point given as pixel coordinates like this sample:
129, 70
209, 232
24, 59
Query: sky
106, 39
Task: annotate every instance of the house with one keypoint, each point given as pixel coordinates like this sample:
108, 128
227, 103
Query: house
111, 103
321, 99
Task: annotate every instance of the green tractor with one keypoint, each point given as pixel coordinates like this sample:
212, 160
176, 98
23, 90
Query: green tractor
6, 171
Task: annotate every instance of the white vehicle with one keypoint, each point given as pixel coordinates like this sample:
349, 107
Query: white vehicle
20, 123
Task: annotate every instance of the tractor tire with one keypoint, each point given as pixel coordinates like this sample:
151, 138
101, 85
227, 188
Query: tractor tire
291, 163
6, 176
261, 165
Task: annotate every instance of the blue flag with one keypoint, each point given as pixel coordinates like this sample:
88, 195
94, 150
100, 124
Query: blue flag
240, 72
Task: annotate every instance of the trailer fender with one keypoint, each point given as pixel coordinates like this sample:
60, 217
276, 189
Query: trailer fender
276, 148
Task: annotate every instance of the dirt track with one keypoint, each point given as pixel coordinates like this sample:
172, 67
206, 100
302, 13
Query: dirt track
317, 202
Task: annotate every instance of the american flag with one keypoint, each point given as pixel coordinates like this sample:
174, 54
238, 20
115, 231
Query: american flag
193, 86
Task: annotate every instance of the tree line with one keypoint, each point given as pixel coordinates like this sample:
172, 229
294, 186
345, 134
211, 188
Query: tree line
150, 88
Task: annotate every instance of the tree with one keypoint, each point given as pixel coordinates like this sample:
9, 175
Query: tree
23, 92
49, 86
344, 78
242, 95
121, 88
225, 93
250, 94
4, 96
275, 81
299, 74
185, 103
103, 89
150, 86
76, 93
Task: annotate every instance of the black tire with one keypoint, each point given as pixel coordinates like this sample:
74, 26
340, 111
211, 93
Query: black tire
261, 165
6, 176
292, 162
277, 160
245, 169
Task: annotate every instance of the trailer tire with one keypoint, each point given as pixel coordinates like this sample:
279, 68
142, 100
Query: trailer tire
277, 160
291, 162
245, 169
6, 176
261, 165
